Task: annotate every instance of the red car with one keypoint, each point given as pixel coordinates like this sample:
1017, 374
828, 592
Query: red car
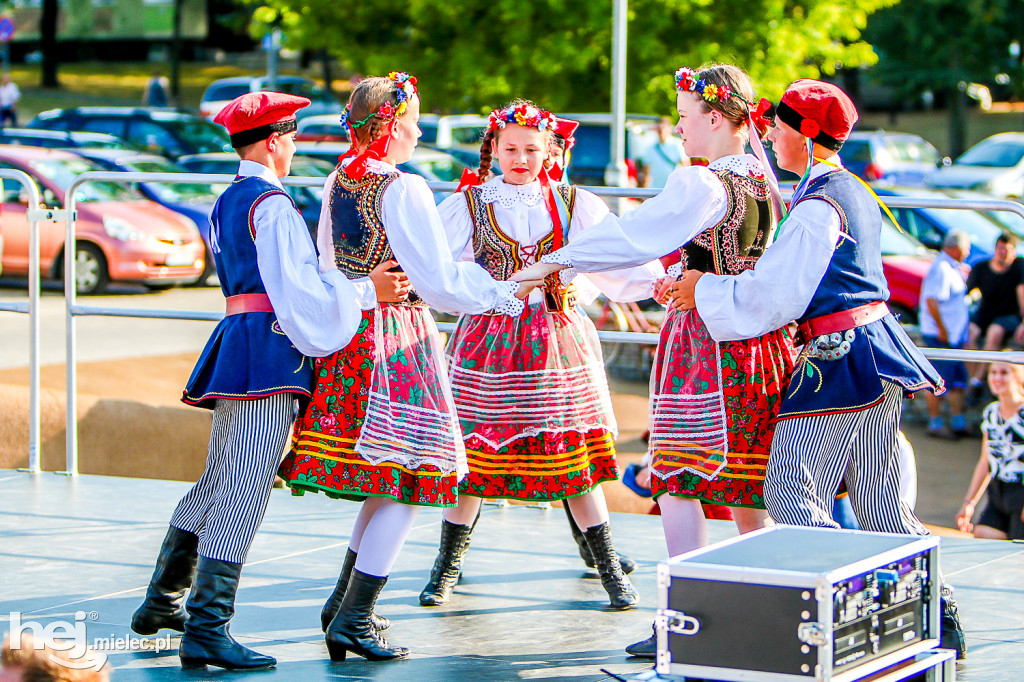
905, 262
121, 236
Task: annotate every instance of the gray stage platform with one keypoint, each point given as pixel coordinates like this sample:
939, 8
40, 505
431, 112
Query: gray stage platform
525, 609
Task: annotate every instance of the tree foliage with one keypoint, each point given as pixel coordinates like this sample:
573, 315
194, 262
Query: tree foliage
472, 55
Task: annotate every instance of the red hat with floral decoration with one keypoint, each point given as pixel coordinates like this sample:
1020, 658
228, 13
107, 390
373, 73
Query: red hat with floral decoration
254, 116
818, 110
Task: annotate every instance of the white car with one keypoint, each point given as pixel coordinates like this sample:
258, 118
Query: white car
220, 92
993, 166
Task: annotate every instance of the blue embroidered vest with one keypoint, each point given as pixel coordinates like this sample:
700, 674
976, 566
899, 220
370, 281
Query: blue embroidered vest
248, 356
880, 349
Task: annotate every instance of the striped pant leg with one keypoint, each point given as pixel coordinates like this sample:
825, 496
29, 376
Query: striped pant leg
873, 477
809, 457
190, 514
258, 434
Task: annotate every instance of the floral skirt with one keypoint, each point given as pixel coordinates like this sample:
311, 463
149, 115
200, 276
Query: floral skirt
324, 455
742, 384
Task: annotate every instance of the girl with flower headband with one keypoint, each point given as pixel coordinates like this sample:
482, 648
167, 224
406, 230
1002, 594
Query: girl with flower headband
381, 426
530, 390
713, 405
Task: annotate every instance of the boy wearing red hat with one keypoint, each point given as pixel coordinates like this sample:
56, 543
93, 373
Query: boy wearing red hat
841, 415
280, 309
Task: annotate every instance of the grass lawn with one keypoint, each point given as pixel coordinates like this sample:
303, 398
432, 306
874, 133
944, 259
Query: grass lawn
122, 83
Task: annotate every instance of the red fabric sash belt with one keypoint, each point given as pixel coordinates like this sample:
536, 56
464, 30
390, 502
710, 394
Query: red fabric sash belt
248, 303
841, 321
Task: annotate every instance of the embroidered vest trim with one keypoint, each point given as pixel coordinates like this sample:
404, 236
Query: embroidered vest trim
360, 242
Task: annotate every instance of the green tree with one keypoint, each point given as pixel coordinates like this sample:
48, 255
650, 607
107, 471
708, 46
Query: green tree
472, 55
941, 45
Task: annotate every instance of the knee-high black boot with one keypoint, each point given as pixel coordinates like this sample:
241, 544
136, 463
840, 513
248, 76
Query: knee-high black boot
351, 629
447, 565
211, 604
951, 633
334, 602
628, 565
621, 593
173, 575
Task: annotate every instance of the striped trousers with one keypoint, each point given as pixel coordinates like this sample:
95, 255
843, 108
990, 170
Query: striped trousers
811, 455
226, 505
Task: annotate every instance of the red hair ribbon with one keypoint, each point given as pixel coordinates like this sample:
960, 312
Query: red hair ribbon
376, 150
469, 179
555, 172
758, 115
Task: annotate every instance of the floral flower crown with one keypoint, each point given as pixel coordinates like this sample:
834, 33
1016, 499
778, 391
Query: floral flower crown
687, 80
523, 114
405, 88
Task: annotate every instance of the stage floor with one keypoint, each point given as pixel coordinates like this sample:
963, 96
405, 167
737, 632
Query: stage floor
526, 609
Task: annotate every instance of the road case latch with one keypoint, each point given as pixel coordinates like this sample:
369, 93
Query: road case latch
677, 623
812, 633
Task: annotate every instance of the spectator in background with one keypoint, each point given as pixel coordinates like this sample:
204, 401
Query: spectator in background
1000, 283
9, 96
156, 91
944, 320
663, 157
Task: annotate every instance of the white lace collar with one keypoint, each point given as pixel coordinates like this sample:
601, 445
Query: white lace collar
741, 164
508, 195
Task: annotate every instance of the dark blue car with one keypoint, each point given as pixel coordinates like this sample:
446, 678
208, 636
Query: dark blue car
192, 200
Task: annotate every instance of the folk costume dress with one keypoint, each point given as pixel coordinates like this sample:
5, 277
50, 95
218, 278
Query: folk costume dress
530, 390
381, 422
713, 405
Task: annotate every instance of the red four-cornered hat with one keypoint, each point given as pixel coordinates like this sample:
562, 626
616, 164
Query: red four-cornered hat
255, 115
566, 127
819, 110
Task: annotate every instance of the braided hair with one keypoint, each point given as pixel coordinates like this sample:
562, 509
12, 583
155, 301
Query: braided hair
367, 97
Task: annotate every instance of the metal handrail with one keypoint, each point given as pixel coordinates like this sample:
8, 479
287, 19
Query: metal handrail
73, 309
33, 214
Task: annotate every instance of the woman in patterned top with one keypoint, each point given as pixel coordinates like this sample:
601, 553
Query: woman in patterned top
1001, 465
713, 405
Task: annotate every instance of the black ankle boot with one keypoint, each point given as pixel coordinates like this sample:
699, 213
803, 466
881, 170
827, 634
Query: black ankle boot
173, 575
351, 629
447, 565
334, 602
620, 591
951, 632
210, 606
645, 648
628, 565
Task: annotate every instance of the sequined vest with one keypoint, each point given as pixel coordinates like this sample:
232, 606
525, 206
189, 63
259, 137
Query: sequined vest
357, 229
496, 252
738, 240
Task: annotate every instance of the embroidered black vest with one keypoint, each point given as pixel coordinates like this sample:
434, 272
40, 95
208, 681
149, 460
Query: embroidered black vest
735, 243
357, 229
496, 252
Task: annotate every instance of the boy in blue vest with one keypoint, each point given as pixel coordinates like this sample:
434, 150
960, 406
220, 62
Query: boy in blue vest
841, 415
280, 311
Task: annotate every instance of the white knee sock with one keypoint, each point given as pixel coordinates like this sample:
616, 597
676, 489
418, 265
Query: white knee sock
370, 505
684, 524
384, 536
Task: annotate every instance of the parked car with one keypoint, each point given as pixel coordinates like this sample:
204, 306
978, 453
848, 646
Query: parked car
190, 199
432, 164
61, 139
994, 166
121, 236
462, 131
220, 92
307, 199
930, 225
890, 158
321, 128
160, 131
592, 153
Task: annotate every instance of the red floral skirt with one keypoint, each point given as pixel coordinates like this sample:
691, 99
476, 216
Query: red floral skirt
753, 380
323, 456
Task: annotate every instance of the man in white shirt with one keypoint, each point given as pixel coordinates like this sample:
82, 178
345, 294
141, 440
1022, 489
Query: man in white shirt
9, 96
944, 321
663, 157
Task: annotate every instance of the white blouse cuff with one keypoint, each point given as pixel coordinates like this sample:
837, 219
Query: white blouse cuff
566, 276
559, 257
510, 304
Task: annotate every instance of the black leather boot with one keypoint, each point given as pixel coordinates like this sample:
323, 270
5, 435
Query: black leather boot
645, 648
447, 565
951, 632
621, 593
173, 575
628, 565
351, 629
210, 606
334, 602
